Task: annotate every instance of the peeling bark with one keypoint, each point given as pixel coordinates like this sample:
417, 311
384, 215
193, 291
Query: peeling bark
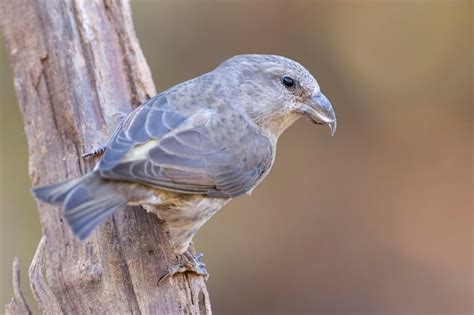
77, 65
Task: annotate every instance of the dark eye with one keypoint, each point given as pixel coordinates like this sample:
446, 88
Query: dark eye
287, 81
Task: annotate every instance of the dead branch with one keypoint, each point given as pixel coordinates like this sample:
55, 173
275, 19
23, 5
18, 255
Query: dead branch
77, 64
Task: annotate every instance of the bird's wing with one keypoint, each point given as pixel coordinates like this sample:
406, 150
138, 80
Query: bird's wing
207, 153
150, 121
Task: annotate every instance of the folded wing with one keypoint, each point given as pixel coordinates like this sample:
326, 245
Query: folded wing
206, 153
150, 121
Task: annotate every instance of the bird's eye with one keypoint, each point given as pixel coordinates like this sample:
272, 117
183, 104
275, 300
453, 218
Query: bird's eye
287, 81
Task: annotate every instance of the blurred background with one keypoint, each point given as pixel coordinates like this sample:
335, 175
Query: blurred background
378, 218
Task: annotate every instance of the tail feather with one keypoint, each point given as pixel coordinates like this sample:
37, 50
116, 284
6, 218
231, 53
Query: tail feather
87, 201
84, 225
57, 193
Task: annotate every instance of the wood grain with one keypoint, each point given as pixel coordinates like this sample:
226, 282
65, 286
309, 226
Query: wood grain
77, 65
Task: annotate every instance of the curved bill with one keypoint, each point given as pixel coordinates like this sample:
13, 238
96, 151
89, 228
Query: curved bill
321, 112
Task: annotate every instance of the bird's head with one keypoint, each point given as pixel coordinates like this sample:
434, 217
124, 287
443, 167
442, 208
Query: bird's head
275, 91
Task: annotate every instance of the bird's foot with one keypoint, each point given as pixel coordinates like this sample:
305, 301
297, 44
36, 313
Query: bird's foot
117, 120
196, 264
190, 263
95, 153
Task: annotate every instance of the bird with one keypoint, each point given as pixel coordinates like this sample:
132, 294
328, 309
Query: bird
194, 147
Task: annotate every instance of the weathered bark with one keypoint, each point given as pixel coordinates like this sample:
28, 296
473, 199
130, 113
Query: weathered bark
18, 303
77, 65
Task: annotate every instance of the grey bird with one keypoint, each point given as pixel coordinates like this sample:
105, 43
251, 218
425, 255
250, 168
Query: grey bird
192, 148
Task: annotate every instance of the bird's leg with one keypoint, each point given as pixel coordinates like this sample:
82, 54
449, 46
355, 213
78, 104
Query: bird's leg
190, 263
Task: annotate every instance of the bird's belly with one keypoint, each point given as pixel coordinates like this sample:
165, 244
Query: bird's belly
189, 210
184, 214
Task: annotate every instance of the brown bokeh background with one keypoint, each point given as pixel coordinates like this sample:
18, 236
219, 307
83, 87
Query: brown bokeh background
377, 219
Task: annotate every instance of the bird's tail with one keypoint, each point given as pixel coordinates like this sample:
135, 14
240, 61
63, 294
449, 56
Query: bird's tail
87, 201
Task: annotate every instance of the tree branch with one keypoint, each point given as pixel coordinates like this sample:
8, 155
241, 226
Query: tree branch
39, 286
76, 65
18, 303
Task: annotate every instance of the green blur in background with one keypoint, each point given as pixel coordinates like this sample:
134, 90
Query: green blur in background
377, 219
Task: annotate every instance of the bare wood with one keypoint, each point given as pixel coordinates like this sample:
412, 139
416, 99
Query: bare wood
18, 303
39, 285
76, 64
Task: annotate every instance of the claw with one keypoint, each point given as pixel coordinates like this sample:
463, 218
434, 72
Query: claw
95, 153
196, 265
178, 268
191, 264
118, 118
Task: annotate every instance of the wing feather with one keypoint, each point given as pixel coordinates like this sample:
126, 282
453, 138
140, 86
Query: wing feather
145, 123
187, 155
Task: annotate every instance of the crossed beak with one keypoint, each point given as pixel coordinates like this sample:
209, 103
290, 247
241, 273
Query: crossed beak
320, 111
